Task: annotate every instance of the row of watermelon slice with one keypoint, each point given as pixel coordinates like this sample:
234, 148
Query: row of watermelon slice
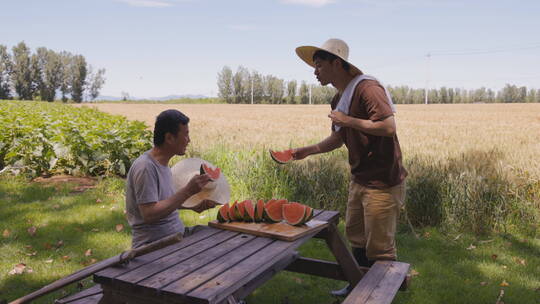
273, 211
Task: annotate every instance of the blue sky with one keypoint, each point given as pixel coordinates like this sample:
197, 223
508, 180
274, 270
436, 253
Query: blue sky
155, 48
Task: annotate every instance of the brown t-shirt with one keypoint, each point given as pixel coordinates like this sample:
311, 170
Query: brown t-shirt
375, 160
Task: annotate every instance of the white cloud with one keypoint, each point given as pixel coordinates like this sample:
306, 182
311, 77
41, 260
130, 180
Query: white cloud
315, 3
147, 3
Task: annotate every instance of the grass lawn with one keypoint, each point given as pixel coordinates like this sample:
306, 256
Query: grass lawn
56, 229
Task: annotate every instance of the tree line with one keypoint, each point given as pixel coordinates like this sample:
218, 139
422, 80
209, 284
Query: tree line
44, 73
244, 86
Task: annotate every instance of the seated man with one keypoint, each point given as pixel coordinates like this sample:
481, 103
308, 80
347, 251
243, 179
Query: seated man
151, 202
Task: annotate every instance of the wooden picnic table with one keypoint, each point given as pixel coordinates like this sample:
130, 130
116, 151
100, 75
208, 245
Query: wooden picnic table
221, 266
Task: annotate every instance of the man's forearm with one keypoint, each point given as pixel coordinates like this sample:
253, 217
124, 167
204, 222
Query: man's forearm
153, 212
384, 127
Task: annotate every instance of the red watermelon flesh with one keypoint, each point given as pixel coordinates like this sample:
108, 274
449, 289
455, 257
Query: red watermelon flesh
249, 211
273, 213
270, 201
212, 173
223, 214
259, 211
239, 211
294, 213
282, 157
232, 209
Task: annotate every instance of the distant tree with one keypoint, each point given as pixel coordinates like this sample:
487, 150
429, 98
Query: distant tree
95, 83
47, 73
22, 73
522, 94
531, 96
125, 96
258, 87
291, 91
78, 73
322, 94
509, 93
225, 84
66, 60
239, 89
5, 73
304, 93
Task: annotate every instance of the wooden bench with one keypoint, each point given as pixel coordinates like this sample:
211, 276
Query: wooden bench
380, 284
90, 295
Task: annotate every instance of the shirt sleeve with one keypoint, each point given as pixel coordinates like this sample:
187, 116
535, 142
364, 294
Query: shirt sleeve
376, 102
146, 186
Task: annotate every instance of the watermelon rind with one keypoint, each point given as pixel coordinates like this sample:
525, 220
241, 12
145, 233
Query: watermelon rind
239, 211
309, 214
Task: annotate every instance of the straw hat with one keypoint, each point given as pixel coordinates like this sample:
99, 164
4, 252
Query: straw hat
218, 190
334, 46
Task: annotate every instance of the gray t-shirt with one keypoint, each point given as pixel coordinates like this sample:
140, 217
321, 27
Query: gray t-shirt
148, 181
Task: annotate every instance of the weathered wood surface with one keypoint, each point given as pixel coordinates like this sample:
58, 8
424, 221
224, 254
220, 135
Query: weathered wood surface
87, 296
281, 231
210, 266
380, 284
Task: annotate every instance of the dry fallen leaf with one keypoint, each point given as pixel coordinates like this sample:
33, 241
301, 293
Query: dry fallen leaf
457, 237
414, 273
98, 200
6, 233
59, 244
49, 261
56, 206
66, 258
18, 269
95, 230
32, 230
31, 253
427, 234
521, 261
471, 247
119, 227
504, 283
47, 246
88, 252
483, 283
504, 266
298, 280
494, 256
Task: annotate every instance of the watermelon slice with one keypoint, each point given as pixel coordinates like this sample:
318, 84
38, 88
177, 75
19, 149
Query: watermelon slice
282, 157
249, 211
212, 173
223, 214
270, 201
232, 208
309, 214
273, 211
294, 213
259, 211
239, 211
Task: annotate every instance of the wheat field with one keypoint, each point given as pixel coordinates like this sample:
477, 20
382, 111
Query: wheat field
435, 131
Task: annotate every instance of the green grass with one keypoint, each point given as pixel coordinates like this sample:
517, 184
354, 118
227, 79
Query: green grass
447, 271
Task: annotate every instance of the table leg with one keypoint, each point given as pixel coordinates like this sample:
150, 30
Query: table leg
353, 273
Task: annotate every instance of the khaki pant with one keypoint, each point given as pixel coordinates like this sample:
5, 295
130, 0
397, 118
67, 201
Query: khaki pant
371, 219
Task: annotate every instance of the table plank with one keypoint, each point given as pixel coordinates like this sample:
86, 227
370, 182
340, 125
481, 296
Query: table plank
107, 275
168, 261
387, 288
219, 266
242, 273
178, 271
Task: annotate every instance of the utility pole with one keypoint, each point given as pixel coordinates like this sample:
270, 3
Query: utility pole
251, 89
426, 91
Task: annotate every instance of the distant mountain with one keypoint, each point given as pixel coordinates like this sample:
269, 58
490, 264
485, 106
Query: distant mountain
164, 98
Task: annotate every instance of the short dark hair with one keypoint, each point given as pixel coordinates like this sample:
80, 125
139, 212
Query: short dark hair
168, 121
326, 56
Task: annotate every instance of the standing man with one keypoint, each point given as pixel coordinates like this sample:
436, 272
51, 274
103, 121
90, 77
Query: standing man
362, 118
151, 202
